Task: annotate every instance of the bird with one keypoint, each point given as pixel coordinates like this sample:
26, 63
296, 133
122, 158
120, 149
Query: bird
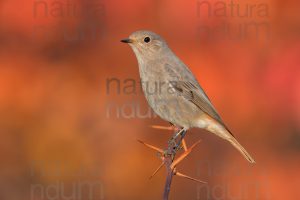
173, 92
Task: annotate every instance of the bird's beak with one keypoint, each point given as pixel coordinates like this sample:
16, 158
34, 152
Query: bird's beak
127, 40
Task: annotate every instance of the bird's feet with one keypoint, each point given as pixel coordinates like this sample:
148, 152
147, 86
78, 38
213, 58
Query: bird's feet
175, 143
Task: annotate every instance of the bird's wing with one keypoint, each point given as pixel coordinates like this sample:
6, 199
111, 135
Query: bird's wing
189, 88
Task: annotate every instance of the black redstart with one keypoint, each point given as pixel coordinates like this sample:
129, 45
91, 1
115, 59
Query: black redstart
172, 90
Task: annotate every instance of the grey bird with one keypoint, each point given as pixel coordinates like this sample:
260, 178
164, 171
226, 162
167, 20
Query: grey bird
172, 91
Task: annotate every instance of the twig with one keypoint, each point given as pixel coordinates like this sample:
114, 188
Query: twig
155, 172
169, 178
168, 157
168, 160
152, 147
184, 155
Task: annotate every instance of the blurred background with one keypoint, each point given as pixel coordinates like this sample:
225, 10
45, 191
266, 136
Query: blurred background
71, 108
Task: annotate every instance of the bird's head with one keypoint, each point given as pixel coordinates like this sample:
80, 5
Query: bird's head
146, 44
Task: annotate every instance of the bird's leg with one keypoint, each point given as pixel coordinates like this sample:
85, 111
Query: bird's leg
182, 134
174, 137
176, 134
176, 144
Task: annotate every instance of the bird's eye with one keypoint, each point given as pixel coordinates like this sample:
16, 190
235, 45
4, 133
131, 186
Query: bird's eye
147, 39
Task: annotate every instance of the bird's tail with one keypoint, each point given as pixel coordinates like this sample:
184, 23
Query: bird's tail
222, 131
241, 149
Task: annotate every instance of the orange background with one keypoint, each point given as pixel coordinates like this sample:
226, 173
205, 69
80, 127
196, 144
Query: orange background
54, 125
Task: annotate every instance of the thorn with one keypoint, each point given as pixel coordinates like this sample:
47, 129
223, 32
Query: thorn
152, 147
155, 172
184, 155
188, 177
184, 145
169, 128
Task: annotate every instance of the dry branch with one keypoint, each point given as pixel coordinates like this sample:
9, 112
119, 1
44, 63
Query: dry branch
168, 157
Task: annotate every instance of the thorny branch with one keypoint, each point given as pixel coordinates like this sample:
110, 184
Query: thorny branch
168, 155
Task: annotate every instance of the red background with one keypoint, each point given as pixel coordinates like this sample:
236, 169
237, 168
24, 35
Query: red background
54, 100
